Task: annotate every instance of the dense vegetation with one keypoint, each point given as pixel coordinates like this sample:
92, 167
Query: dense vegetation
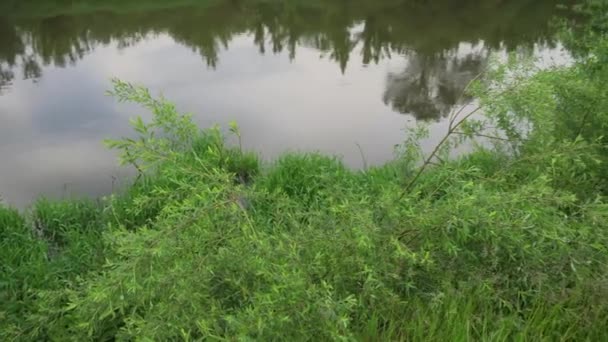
507, 242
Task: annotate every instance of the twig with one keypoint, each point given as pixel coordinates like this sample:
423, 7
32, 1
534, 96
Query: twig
484, 136
583, 123
466, 88
440, 159
362, 156
452, 128
437, 147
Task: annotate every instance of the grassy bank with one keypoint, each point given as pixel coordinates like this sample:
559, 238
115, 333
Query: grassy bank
508, 242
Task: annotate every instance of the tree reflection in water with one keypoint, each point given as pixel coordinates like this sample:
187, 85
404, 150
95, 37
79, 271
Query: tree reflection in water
428, 34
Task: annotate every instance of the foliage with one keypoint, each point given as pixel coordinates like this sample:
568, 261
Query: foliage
41, 256
506, 243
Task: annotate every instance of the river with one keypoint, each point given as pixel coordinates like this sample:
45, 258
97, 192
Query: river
343, 77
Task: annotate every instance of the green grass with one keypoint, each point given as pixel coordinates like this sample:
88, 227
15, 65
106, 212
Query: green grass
320, 252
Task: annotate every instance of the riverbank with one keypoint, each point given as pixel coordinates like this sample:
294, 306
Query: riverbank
508, 242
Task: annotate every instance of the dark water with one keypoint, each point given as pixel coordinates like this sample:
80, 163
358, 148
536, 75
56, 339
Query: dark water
320, 75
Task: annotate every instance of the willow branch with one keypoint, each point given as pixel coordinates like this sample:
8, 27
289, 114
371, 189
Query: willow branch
480, 135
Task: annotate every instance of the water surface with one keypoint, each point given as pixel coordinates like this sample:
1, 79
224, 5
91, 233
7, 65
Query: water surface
296, 75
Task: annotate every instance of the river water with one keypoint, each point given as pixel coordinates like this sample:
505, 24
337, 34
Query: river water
343, 77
